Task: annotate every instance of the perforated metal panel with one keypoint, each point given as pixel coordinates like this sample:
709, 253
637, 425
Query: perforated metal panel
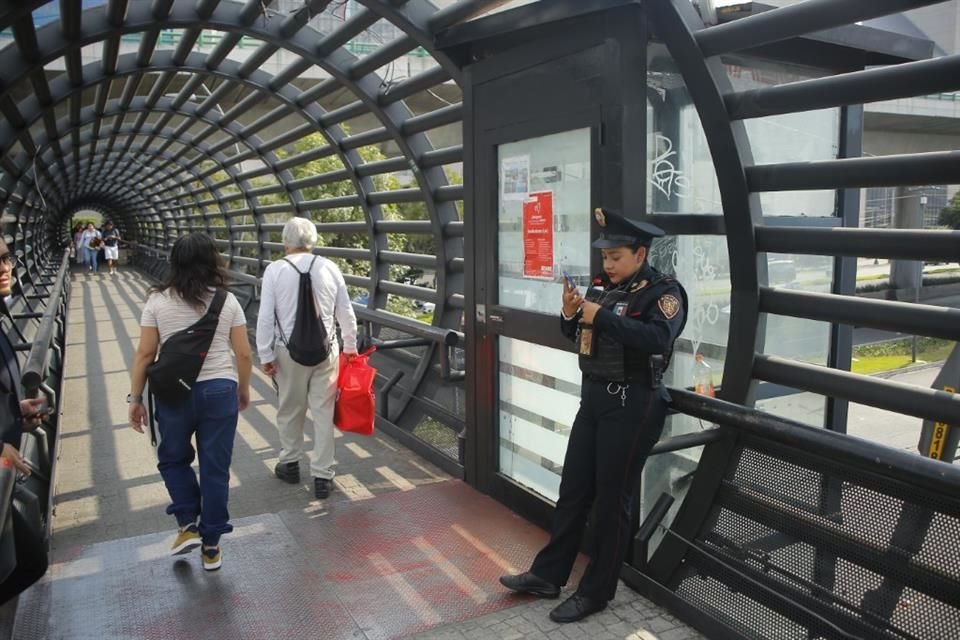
790, 546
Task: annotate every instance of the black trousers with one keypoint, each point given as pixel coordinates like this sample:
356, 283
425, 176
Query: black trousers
611, 438
31, 559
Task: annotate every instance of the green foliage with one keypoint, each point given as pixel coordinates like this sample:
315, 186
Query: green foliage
84, 221
344, 188
950, 216
895, 354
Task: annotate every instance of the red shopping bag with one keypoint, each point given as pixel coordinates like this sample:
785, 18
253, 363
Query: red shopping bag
355, 407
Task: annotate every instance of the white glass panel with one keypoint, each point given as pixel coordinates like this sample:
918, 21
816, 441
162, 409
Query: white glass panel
539, 397
531, 262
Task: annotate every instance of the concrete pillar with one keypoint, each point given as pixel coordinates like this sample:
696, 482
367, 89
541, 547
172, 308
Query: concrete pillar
905, 275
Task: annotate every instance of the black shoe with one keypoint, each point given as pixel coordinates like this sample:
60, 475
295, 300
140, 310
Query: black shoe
529, 583
321, 488
288, 472
576, 607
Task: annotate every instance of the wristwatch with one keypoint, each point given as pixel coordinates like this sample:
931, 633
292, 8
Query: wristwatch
131, 398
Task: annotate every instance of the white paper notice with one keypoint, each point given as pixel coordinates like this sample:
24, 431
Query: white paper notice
515, 178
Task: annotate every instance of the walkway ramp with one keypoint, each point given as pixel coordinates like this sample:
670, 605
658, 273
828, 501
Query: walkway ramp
399, 550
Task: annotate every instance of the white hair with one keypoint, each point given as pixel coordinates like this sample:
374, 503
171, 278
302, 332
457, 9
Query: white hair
299, 233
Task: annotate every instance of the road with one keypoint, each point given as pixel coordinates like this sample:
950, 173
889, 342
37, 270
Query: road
791, 337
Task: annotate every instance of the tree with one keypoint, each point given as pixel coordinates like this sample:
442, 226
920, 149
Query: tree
950, 217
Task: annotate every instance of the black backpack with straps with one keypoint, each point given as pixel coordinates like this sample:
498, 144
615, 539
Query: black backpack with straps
181, 357
308, 343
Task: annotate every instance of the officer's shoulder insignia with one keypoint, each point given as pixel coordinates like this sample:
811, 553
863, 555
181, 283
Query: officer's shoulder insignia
639, 285
601, 219
669, 305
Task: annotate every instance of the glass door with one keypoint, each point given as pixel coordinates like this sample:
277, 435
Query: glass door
544, 204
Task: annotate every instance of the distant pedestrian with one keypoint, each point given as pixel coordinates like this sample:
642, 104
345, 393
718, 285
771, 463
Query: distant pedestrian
78, 244
91, 242
111, 244
210, 410
300, 386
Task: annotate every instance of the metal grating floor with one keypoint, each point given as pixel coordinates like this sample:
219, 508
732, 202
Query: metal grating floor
381, 568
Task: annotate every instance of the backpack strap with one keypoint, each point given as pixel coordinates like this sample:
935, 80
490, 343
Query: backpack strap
276, 318
216, 305
309, 269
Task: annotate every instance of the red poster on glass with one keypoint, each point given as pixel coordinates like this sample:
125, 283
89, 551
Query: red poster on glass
538, 235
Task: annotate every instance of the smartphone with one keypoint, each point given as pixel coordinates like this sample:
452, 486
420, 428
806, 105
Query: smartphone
569, 279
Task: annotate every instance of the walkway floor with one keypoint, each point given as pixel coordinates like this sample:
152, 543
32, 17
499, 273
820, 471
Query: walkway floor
399, 549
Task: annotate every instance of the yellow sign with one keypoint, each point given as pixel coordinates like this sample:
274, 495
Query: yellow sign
940, 432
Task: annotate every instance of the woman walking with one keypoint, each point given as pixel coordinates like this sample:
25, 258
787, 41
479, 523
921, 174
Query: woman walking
90, 240
209, 411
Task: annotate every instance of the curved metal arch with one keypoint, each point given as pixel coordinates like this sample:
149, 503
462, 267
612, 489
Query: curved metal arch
233, 128
729, 144
413, 18
338, 64
378, 269
145, 21
131, 181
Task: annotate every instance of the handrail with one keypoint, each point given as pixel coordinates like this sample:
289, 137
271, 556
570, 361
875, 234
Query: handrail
439, 335
8, 478
841, 448
34, 372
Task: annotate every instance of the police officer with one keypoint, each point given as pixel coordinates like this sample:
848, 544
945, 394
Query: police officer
624, 328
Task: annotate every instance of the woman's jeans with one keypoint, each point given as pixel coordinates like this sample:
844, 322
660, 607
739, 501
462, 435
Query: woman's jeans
90, 257
210, 412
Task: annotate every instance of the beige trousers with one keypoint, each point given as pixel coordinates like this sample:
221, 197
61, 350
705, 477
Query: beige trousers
303, 388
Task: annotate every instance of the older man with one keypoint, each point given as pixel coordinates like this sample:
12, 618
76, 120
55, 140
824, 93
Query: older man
301, 387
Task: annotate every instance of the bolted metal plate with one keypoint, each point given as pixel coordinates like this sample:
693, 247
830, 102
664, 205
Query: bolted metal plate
381, 568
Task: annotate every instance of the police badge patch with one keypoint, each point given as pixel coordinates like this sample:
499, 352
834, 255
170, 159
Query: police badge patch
601, 219
669, 305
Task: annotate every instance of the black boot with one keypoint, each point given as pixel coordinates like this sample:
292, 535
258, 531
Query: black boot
288, 472
529, 583
321, 488
576, 607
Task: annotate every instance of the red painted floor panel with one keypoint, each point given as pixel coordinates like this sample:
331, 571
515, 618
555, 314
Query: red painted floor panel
380, 568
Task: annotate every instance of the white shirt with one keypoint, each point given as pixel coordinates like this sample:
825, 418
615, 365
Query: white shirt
87, 237
169, 313
278, 299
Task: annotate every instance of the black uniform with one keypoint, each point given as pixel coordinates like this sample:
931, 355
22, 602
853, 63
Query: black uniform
621, 415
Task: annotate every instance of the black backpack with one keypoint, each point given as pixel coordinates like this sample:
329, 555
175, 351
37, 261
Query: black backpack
309, 344
178, 364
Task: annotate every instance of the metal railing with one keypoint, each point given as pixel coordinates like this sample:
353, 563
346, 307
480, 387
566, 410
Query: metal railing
417, 354
42, 374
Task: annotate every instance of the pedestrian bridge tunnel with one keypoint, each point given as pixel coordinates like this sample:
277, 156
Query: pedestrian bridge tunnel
415, 134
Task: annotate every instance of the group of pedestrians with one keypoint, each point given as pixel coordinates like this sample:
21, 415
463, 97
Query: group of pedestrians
209, 413
624, 328
88, 242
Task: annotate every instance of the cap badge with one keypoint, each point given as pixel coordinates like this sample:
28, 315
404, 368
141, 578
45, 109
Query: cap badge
601, 219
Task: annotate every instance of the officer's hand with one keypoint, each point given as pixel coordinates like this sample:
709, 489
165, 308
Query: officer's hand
571, 299
589, 311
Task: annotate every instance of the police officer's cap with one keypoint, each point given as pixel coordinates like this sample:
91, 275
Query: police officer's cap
617, 231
